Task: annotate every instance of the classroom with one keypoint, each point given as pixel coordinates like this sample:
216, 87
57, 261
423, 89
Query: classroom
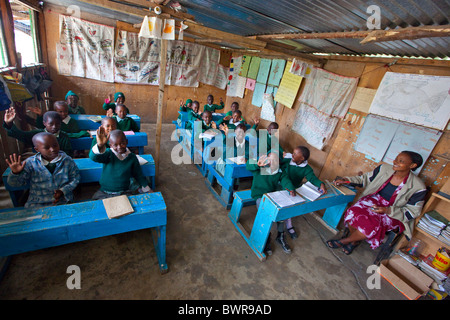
258, 151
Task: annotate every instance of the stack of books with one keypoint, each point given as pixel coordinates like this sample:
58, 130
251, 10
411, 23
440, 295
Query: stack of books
434, 223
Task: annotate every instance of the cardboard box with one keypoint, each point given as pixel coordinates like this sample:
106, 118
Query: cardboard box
408, 279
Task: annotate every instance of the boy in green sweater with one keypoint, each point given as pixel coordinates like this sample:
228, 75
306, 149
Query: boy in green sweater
72, 101
109, 124
119, 98
297, 168
267, 177
52, 123
194, 114
119, 165
210, 106
125, 123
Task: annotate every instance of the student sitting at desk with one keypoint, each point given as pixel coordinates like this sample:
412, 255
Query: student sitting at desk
109, 124
51, 174
194, 114
234, 107
68, 125
297, 168
184, 107
210, 106
125, 123
271, 135
119, 98
393, 197
72, 102
231, 121
268, 177
52, 122
119, 165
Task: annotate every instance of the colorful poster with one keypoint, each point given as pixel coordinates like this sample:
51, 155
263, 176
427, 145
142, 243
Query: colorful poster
414, 98
254, 68
264, 69
314, 126
245, 65
87, 47
328, 92
151, 28
276, 72
168, 32
300, 68
289, 86
235, 67
250, 84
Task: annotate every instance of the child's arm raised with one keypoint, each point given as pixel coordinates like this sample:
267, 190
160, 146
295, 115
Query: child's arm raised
10, 115
102, 139
15, 163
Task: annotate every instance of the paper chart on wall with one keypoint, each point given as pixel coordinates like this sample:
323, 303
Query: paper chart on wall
289, 86
235, 67
246, 60
264, 69
221, 77
268, 109
258, 94
240, 86
250, 84
328, 92
254, 68
414, 98
314, 126
209, 66
363, 99
276, 72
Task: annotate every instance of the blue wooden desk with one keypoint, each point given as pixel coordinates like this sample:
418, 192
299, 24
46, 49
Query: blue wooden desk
85, 123
270, 212
90, 171
23, 230
138, 139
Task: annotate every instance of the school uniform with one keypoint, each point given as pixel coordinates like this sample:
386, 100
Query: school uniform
213, 107
68, 125
230, 113
192, 116
27, 136
297, 172
118, 169
126, 124
45, 177
77, 110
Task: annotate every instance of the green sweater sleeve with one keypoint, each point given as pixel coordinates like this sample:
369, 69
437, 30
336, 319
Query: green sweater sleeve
137, 172
286, 183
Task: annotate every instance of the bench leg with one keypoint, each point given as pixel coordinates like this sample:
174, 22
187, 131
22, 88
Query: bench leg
159, 241
333, 215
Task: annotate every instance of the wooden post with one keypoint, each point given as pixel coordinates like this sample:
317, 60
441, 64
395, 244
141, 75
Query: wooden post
162, 80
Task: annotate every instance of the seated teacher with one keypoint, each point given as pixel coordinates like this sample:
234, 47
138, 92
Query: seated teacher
393, 197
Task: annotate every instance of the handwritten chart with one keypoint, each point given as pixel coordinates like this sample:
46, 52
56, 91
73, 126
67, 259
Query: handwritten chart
289, 86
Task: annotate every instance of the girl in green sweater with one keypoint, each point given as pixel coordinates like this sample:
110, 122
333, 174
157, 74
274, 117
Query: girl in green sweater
125, 123
119, 165
268, 177
297, 168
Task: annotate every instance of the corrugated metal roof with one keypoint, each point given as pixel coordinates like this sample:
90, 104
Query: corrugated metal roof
256, 17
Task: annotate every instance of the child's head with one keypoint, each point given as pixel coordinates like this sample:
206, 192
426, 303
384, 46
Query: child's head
52, 121
207, 117
46, 144
188, 103
72, 99
234, 106
109, 124
121, 110
272, 127
239, 131
119, 97
195, 106
210, 99
118, 141
300, 154
62, 108
236, 116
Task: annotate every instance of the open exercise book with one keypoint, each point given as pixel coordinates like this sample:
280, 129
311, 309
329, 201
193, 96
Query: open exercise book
117, 206
284, 199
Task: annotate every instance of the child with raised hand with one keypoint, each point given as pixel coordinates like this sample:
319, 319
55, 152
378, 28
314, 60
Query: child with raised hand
125, 123
268, 177
297, 168
234, 107
119, 98
231, 121
194, 114
109, 124
119, 165
210, 106
52, 123
72, 102
51, 174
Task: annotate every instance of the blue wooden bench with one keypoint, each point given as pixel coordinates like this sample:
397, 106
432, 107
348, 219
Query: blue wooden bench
23, 230
138, 139
269, 212
85, 123
90, 171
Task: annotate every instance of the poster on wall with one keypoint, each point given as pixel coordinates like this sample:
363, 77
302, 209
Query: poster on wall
414, 98
88, 49
209, 65
289, 86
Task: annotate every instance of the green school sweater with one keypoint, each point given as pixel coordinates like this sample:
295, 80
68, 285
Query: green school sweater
77, 110
193, 116
230, 113
213, 107
27, 136
71, 128
297, 174
127, 124
116, 174
269, 146
112, 105
264, 183
236, 150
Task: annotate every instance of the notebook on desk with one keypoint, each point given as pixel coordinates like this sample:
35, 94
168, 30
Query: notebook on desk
117, 206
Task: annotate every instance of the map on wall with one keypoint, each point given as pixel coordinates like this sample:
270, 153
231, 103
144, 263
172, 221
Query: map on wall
414, 98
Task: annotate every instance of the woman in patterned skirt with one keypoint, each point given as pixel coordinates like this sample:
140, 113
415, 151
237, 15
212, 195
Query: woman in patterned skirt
393, 197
